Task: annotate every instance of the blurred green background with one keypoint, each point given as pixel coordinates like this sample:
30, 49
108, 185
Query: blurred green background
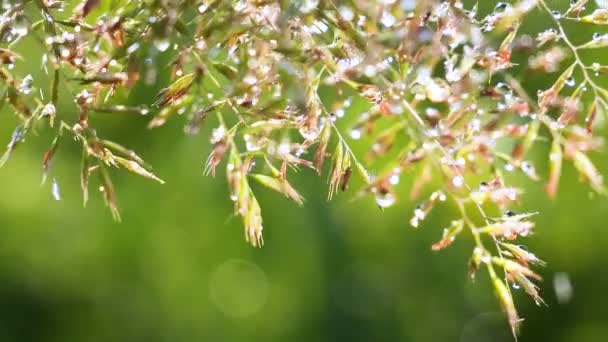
178, 269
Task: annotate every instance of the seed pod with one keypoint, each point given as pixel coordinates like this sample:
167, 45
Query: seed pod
279, 185
506, 301
588, 171
598, 17
175, 91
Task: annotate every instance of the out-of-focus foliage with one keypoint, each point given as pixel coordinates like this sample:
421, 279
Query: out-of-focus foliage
435, 96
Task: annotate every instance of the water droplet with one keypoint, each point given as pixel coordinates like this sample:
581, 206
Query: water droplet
500, 6
48, 110
385, 200
346, 13
570, 82
132, 48
309, 133
26, 84
251, 143
556, 14
387, 19
458, 181
563, 287
284, 148
55, 190
161, 44
20, 27
394, 179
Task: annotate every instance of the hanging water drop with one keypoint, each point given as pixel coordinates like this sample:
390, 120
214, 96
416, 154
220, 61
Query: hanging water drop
556, 15
458, 181
385, 200
570, 82
355, 134
162, 44
26, 84
55, 190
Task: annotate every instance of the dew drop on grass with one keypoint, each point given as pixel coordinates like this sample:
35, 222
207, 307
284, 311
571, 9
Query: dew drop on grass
26, 84
132, 48
385, 200
458, 181
162, 44
346, 13
563, 287
395, 178
387, 19
556, 14
570, 82
55, 190
500, 6
20, 27
251, 144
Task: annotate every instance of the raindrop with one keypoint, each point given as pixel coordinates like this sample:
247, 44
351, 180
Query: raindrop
385, 200
48, 110
563, 287
370, 71
132, 48
309, 133
161, 44
394, 178
355, 134
26, 84
570, 82
528, 169
20, 26
346, 13
55, 190
500, 6
458, 181
251, 144
387, 19
556, 14
284, 148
